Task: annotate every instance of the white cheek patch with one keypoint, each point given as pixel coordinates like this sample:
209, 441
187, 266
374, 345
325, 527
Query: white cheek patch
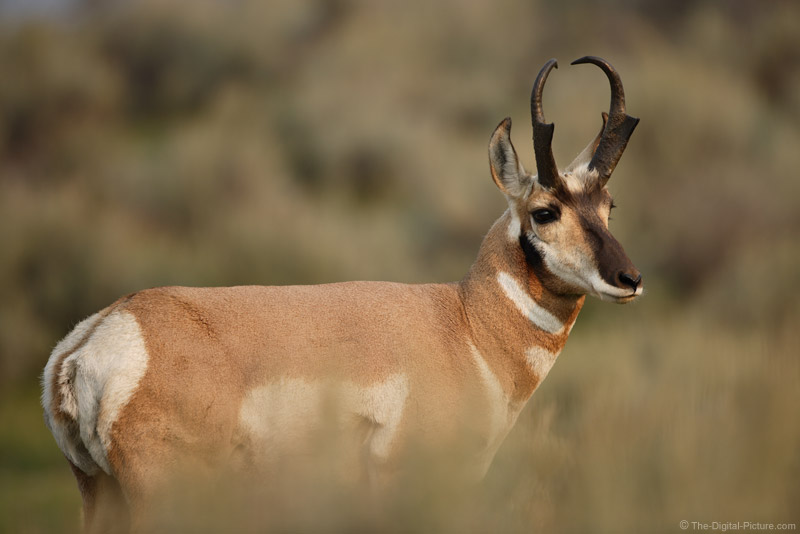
573, 270
581, 272
529, 307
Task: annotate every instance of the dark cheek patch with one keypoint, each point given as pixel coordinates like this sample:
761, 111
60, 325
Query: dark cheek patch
536, 264
532, 256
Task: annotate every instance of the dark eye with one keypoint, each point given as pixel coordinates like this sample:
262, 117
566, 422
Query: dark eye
544, 216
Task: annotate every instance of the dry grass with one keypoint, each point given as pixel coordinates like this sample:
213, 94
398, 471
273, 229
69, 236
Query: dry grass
642, 423
332, 140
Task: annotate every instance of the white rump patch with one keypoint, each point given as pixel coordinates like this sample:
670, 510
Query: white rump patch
110, 366
96, 382
529, 307
69, 342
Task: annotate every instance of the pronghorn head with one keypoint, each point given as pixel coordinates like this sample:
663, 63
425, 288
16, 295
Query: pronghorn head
561, 217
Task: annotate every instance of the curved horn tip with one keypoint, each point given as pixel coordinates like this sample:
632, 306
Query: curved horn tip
538, 86
608, 68
550, 63
590, 59
547, 67
541, 78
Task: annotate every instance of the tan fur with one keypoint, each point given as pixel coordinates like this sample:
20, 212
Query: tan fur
238, 378
225, 342
208, 348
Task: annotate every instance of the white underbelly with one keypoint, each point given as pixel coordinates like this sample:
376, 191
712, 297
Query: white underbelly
294, 418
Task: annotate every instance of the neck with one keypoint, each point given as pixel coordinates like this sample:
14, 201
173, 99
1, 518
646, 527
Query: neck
517, 324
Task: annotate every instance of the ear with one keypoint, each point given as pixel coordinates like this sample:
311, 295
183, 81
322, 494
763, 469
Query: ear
585, 156
507, 171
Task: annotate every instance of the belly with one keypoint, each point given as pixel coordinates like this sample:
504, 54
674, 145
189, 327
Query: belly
340, 423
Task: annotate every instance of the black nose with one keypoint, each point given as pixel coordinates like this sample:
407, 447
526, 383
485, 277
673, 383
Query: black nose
631, 280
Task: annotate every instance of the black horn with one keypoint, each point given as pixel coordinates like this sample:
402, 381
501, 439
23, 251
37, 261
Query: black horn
543, 132
619, 127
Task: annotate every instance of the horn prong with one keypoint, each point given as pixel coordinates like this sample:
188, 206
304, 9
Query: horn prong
619, 126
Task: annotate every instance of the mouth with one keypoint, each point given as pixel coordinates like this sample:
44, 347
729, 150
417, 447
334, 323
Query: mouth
627, 299
619, 299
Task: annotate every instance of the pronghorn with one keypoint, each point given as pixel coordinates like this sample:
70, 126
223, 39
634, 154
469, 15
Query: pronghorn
235, 377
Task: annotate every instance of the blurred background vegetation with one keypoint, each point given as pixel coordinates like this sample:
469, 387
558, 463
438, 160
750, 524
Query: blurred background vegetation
145, 143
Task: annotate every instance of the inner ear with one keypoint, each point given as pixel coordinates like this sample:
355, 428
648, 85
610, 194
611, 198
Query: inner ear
507, 171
